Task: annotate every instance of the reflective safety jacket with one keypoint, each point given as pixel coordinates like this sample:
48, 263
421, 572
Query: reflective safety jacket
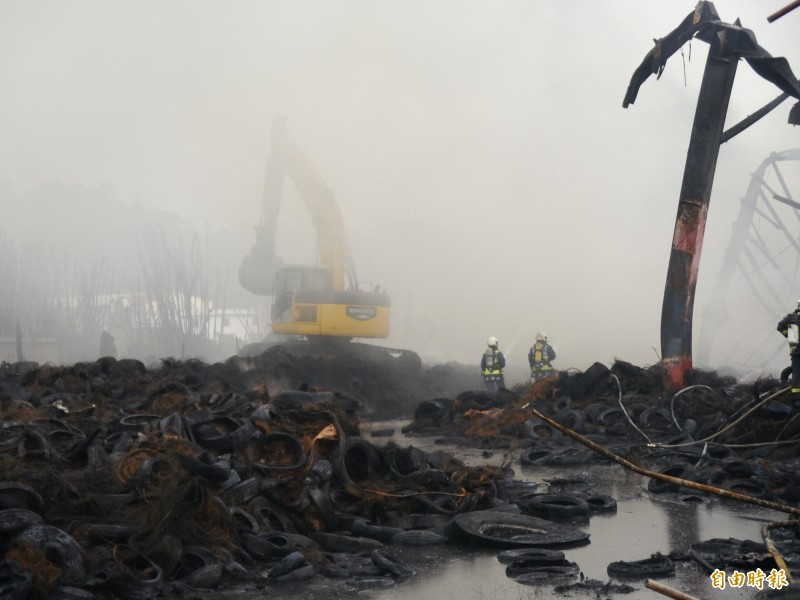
540, 355
792, 319
493, 362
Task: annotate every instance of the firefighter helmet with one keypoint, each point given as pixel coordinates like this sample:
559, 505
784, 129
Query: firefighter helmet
492, 342
541, 336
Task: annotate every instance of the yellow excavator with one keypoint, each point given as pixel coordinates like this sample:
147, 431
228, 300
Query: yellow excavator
314, 307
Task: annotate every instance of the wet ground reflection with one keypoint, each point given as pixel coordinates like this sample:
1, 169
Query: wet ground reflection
642, 526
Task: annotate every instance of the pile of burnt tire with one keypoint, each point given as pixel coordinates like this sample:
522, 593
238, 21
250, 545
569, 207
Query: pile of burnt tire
189, 479
385, 389
740, 437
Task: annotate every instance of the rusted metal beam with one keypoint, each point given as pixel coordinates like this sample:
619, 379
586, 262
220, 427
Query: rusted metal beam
786, 9
690, 222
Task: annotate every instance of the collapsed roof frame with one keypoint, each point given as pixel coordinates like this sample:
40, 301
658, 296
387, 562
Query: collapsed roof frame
747, 251
727, 44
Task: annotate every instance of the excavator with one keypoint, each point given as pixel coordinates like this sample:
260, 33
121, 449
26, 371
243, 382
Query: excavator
318, 308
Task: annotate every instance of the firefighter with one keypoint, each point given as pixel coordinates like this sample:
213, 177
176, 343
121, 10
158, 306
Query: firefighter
492, 364
788, 326
539, 358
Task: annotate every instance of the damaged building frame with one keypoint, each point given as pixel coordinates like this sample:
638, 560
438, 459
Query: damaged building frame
727, 44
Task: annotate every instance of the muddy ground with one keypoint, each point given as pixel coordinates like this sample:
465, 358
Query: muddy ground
192, 480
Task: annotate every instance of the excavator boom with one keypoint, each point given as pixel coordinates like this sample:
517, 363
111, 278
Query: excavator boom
313, 301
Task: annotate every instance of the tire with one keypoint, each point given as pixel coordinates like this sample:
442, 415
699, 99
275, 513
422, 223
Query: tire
403, 462
15, 581
601, 504
69, 592
272, 449
570, 456
275, 544
105, 533
561, 403
755, 487
571, 419
419, 537
539, 430
391, 564
510, 530
222, 433
543, 575
361, 460
556, 506
270, 515
207, 577
337, 542
611, 416
681, 471
655, 418
657, 565
20, 495
175, 387
242, 492
290, 562
377, 532
436, 411
243, 520
132, 576
194, 558
60, 547
195, 466
137, 421
18, 519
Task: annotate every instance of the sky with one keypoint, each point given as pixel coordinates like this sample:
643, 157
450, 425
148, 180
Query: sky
488, 175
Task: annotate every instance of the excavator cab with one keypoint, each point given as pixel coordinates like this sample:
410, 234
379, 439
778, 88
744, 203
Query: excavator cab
294, 278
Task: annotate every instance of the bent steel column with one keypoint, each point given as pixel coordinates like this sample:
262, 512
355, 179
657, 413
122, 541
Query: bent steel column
698, 178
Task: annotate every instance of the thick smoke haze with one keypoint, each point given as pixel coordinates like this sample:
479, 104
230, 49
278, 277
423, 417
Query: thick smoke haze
488, 175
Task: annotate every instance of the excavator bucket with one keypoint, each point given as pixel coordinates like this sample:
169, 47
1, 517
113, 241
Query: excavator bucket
258, 269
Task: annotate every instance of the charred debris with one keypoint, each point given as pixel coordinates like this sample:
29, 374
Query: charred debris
121, 481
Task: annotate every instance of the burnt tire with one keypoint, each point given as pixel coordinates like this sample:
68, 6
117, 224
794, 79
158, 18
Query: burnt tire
60, 547
544, 575
541, 555
555, 506
18, 519
132, 576
15, 581
510, 530
681, 471
601, 504
657, 565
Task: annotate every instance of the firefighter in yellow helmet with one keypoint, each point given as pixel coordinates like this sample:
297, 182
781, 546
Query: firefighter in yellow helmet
540, 357
789, 326
492, 364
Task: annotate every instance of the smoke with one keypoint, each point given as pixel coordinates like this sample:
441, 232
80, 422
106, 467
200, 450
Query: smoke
488, 175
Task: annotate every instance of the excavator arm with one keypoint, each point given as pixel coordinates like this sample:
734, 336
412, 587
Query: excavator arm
320, 307
258, 269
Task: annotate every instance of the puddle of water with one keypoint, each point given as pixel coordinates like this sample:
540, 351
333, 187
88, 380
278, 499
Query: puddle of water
642, 526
